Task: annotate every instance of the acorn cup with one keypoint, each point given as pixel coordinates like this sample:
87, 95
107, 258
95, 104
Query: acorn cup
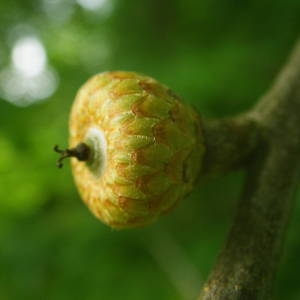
137, 147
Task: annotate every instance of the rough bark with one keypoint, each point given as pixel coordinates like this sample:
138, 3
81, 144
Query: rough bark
229, 143
246, 266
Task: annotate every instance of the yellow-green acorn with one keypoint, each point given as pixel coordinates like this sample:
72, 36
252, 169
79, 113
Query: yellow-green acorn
142, 148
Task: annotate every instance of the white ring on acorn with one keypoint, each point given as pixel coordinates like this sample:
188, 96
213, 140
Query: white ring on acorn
96, 141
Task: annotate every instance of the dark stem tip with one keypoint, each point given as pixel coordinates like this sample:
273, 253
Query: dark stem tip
81, 152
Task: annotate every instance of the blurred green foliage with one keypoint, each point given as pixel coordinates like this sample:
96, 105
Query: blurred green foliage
218, 55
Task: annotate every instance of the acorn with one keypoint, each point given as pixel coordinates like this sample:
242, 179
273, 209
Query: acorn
136, 148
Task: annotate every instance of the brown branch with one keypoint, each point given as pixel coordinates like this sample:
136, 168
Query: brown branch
246, 265
229, 143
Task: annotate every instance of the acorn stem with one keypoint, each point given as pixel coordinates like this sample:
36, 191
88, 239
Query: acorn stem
81, 152
229, 142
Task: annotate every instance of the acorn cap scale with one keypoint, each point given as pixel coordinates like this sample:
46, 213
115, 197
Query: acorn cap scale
146, 148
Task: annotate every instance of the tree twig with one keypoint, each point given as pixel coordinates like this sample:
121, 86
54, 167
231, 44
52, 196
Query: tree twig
229, 143
246, 265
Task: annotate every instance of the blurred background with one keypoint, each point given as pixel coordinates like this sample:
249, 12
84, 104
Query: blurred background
218, 55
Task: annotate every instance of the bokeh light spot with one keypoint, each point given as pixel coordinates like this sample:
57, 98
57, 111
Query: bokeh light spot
92, 4
29, 56
23, 91
28, 78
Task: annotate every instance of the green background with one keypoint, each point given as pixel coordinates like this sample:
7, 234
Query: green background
218, 55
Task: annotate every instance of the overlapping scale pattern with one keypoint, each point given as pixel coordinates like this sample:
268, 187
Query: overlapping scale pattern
153, 148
